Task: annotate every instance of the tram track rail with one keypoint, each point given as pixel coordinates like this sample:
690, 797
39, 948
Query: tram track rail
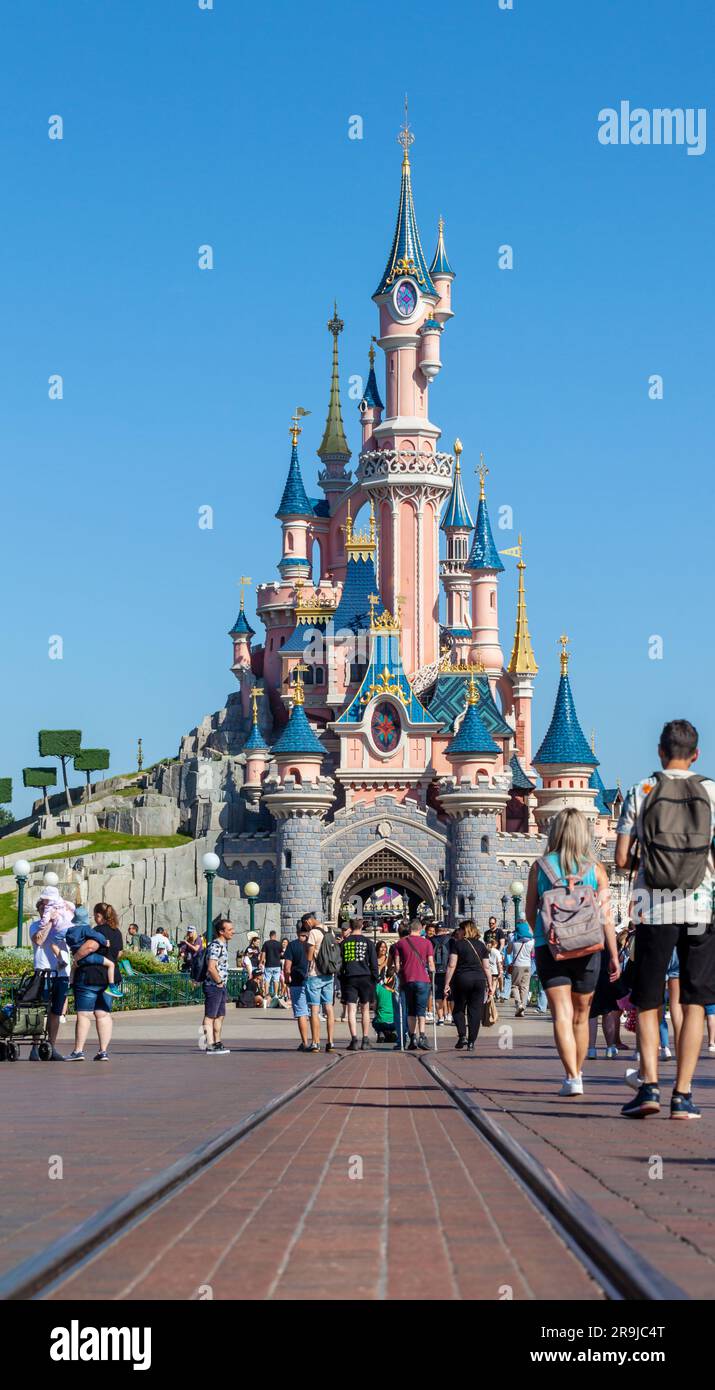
616, 1267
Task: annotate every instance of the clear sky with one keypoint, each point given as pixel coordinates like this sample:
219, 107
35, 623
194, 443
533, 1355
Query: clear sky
230, 127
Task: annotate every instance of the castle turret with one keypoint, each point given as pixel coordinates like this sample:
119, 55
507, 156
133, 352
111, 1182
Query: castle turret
295, 513
442, 276
334, 451
485, 566
400, 466
241, 634
371, 406
472, 752
475, 799
457, 525
257, 752
522, 667
564, 761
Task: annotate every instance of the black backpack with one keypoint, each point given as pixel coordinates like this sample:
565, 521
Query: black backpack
329, 959
676, 823
198, 968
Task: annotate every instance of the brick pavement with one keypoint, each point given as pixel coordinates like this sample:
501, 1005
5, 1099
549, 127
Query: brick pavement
606, 1159
434, 1214
115, 1126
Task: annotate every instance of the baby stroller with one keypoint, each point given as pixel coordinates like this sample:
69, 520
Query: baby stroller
25, 1019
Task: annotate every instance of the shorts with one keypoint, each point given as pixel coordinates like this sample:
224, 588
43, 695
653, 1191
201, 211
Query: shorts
320, 990
581, 973
416, 994
273, 976
439, 979
214, 1000
299, 1000
357, 989
91, 999
56, 991
696, 954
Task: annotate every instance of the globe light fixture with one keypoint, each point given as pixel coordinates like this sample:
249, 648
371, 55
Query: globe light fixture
22, 870
50, 878
211, 865
251, 891
517, 890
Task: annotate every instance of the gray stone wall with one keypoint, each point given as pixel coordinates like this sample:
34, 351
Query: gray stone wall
298, 868
384, 823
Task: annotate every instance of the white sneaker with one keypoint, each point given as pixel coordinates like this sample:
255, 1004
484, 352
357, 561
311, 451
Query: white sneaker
202, 1039
611, 1052
632, 1079
711, 1047
429, 1018
572, 1086
665, 1054
592, 1053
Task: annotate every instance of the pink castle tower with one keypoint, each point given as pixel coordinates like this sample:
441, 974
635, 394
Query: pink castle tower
457, 525
401, 467
485, 567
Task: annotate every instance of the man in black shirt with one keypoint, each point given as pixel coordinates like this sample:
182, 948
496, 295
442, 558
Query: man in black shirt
358, 976
295, 968
270, 959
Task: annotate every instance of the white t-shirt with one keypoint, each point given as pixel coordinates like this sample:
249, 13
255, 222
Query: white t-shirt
522, 953
160, 944
494, 961
654, 905
44, 956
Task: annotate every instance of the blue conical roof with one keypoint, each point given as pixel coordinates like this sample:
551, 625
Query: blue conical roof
457, 515
440, 264
255, 739
472, 736
295, 501
602, 803
565, 741
372, 394
484, 554
520, 782
353, 610
241, 626
406, 256
298, 737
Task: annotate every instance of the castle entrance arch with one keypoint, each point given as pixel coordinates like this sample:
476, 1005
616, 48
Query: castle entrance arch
388, 883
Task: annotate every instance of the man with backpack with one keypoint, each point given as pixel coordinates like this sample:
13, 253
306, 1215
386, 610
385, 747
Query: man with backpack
359, 975
441, 961
665, 836
324, 962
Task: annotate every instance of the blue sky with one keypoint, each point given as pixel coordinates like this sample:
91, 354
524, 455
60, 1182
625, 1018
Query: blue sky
230, 127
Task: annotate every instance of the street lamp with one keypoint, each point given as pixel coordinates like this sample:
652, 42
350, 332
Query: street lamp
211, 865
21, 870
251, 891
50, 878
517, 889
504, 906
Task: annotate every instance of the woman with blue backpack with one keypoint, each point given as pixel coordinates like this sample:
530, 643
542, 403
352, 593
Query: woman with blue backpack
568, 907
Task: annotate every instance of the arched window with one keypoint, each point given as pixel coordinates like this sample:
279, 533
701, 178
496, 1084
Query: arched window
485, 844
493, 598
295, 772
289, 540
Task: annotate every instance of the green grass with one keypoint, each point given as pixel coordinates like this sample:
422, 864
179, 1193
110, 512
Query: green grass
97, 841
8, 912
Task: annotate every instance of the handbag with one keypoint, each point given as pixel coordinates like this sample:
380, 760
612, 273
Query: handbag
490, 1013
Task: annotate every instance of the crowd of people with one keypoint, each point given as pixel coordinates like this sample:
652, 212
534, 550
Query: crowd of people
564, 954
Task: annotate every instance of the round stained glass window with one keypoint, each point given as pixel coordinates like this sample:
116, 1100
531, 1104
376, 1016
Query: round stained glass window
386, 727
405, 298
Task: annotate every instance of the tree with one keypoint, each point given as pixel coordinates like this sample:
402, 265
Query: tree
62, 744
40, 777
6, 817
91, 760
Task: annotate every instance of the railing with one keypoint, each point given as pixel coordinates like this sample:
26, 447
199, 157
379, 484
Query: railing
164, 991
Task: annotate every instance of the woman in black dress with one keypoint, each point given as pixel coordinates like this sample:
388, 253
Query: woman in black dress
468, 982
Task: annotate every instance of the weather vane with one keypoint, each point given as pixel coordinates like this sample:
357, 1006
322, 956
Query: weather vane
335, 324
243, 582
405, 137
482, 470
294, 430
564, 640
256, 694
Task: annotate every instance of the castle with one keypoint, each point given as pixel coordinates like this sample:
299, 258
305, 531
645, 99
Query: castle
386, 747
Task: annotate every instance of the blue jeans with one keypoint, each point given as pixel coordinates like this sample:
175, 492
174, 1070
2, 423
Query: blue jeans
400, 1007
416, 994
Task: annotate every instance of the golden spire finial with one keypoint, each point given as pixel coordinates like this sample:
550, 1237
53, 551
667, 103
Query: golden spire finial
243, 582
295, 429
458, 447
522, 661
482, 470
371, 351
335, 324
593, 741
255, 697
564, 640
297, 685
372, 521
472, 690
440, 224
406, 138
348, 525
373, 600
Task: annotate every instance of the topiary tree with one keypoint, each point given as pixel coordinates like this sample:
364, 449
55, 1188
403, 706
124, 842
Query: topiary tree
62, 744
5, 796
91, 760
40, 777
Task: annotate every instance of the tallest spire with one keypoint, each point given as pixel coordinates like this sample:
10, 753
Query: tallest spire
406, 256
334, 445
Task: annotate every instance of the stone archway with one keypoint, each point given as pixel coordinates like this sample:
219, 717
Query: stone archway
383, 864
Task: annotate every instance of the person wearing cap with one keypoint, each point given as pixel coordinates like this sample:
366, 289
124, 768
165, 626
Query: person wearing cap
295, 970
520, 968
50, 953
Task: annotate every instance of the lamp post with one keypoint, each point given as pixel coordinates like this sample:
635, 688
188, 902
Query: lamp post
251, 891
504, 906
470, 899
211, 865
21, 870
517, 889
